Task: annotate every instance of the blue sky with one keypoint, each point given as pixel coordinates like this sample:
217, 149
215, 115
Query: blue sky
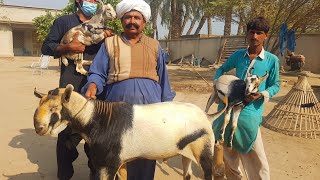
59, 4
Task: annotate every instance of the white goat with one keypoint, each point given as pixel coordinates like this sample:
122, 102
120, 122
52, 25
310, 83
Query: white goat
235, 90
119, 132
90, 32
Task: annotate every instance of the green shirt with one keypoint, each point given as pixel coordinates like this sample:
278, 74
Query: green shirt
251, 116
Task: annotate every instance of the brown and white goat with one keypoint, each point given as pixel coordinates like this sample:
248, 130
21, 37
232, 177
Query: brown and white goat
235, 90
90, 32
119, 132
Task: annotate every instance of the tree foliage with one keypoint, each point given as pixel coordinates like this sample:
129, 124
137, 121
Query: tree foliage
300, 15
43, 23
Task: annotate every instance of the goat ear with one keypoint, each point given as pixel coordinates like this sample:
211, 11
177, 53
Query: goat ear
264, 77
38, 94
67, 93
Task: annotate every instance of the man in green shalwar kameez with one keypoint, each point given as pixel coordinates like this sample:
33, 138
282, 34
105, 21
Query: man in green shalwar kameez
247, 143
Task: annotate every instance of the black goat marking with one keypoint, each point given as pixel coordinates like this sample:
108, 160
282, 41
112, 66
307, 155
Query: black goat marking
54, 118
190, 138
219, 91
54, 92
188, 177
237, 92
206, 162
87, 26
109, 122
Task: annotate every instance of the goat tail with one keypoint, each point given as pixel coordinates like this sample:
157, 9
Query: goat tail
214, 116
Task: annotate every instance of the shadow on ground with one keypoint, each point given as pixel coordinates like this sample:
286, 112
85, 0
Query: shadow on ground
40, 151
175, 164
52, 68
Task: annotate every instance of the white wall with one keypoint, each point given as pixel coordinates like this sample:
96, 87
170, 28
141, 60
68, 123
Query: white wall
6, 45
19, 14
18, 19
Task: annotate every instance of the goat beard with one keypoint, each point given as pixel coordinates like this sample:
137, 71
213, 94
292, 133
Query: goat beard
129, 26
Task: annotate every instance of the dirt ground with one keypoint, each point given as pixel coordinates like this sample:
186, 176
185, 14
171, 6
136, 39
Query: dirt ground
25, 155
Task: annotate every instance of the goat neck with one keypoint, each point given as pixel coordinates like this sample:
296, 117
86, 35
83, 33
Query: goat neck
79, 108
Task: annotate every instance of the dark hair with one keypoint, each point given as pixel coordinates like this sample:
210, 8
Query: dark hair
76, 4
259, 23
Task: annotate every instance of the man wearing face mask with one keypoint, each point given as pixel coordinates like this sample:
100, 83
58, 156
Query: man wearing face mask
132, 69
67, 141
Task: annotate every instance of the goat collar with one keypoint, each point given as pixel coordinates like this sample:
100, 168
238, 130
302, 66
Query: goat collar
85, 104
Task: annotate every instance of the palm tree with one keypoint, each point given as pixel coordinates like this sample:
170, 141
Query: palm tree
155, 8
202, 4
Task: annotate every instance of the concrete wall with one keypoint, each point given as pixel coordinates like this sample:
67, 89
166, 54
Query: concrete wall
6, 45
209, 49
308, 45
185, 47
20, 14
16, 30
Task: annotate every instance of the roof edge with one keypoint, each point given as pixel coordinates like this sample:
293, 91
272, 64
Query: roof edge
30, 7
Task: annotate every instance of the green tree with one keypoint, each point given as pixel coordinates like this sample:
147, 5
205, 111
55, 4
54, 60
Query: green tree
224, 11
201, 14
180, 12
300, 15
43, 24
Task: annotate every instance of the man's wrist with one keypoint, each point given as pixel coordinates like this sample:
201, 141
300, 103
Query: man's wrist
93, 86
62, 48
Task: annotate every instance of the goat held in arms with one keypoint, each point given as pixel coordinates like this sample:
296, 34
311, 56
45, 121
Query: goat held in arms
90, 32
235, 90
118, 132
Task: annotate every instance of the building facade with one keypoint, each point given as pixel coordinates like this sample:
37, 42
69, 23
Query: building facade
17, 32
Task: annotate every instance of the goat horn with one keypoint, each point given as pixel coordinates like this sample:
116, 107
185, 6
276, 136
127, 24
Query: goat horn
38, 94
211, 99
264, 77
249, 71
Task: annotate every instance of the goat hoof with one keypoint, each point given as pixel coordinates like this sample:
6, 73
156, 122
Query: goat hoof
221, 138
229, 145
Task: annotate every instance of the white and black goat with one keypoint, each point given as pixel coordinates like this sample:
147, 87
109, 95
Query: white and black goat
90, 32
235, 90
119, 132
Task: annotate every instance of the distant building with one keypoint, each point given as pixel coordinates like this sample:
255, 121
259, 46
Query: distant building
17, 32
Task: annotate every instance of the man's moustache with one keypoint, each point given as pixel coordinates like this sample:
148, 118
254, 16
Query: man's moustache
128, 26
